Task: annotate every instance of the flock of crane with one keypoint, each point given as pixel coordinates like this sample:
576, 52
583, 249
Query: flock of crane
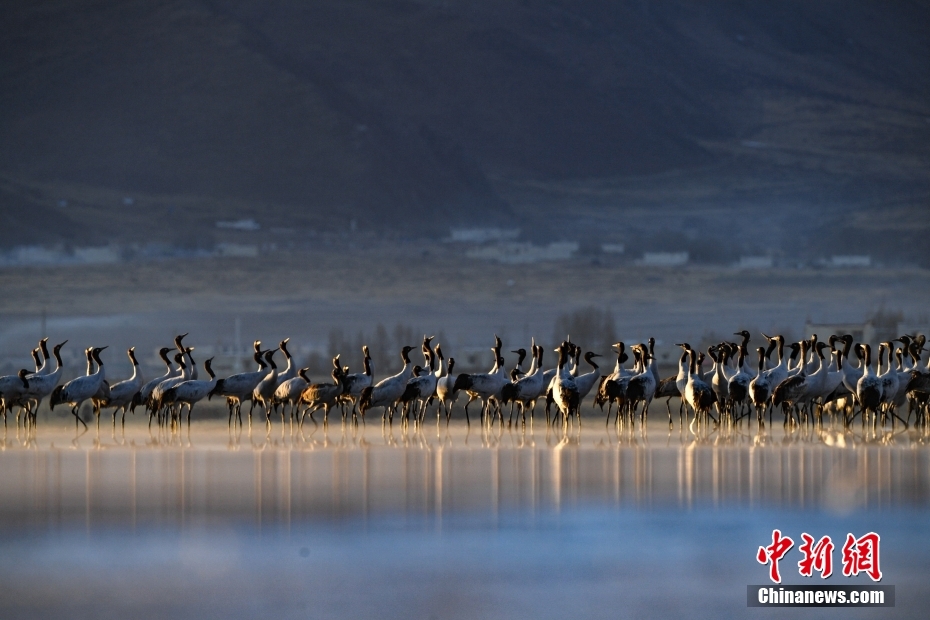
834, 377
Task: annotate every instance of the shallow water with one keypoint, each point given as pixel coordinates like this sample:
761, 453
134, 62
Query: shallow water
457, 522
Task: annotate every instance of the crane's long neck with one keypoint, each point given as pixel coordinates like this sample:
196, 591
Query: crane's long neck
46, 367
683, 367
135, 368
719, 364
818, 354
58, 364
534, 365
39, 362
101, 371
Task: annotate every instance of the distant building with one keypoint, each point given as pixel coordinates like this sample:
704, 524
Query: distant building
861, 332
99, 255
853, 260
912, 329
870, 331
663, 259
515, 253
755, 262
613, 248
482, 235
246, 224
35, 255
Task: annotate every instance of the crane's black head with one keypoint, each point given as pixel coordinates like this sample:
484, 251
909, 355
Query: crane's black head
96, 353
177, 341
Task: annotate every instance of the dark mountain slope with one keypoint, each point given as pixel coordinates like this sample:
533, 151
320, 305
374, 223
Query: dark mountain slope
412, 116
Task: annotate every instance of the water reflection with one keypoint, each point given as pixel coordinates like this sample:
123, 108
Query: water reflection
273, 478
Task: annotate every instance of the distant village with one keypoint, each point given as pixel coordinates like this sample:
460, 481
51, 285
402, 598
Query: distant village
245, 238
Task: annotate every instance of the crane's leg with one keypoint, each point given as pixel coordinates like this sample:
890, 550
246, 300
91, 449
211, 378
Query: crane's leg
77, 418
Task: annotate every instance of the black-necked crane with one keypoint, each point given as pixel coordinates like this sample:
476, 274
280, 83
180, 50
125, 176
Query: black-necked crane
12, 388
420, 390
738, 385
290, 371
869, 387
79, 389
322, 395
263, 392
445, 385
890, 380
357, 381
238, 388
155, 404
718, 381
146, 390
288, 394
698, 393
41, 386
485, 386
191, 392
642, 387
612, 388
586, 382
526, 391
388, 391
565, 390
792, 390
122, 393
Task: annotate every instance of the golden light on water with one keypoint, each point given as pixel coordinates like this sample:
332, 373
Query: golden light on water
276, 479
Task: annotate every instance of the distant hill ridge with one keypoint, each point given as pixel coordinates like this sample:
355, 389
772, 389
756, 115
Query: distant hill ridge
415, 116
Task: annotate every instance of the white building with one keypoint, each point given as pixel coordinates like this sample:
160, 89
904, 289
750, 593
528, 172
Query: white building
519, 253
96, 256
246, 224
852, 260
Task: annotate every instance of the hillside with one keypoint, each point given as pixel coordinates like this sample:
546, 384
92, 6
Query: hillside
411, 116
